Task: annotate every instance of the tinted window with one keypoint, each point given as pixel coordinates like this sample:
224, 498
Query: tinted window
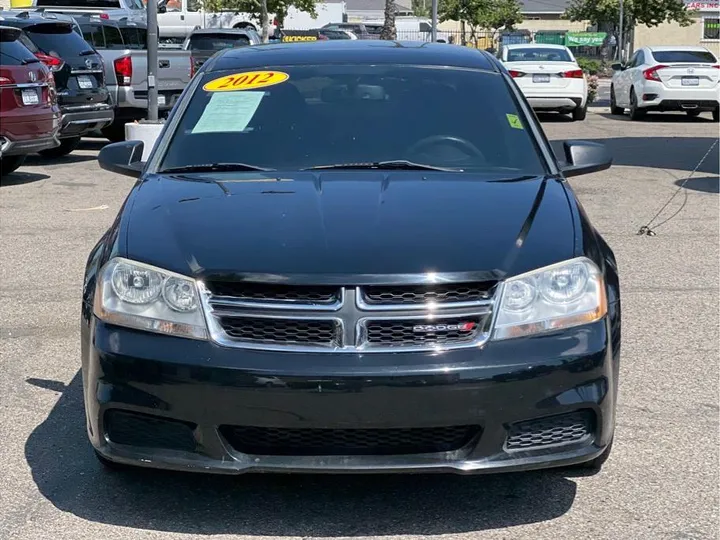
349, 114
217, 42
684, 56
134, 37
640, 58
14, 53
711, 28
58, 38
538, 54
93, 34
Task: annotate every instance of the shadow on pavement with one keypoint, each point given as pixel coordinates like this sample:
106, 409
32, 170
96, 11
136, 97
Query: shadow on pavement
67, 474
663, 118
93, 144
706, 184
679, 153
38, 161
20, 177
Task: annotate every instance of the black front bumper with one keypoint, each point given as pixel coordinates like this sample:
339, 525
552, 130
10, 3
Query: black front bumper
191, 399
79, 120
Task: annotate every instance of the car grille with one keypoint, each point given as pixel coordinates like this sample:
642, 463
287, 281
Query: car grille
426, 294
550, 431
346, 319
281, 330
347, 442
133, 429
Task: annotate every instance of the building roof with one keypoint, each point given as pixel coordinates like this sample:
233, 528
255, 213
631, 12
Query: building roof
375, 5
353, 52
544, 6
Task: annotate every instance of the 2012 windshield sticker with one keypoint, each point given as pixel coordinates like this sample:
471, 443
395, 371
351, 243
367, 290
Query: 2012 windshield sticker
514, 121
246, 81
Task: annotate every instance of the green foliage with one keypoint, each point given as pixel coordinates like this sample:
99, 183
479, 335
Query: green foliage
278, 7
589, 65
647, 12
421, 8
482, 14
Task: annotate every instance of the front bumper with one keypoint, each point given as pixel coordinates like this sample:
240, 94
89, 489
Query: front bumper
79, 120
208, 388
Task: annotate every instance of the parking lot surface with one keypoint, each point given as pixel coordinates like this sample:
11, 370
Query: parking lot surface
660, 482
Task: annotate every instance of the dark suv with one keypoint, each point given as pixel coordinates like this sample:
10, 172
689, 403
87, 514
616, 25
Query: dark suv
78, 70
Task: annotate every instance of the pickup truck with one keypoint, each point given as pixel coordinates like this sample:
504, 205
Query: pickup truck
204, 43
122, 45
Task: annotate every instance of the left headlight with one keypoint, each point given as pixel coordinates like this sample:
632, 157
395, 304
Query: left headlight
559, 296
141, 296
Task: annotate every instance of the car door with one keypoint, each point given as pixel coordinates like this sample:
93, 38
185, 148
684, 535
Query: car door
172, 22
635, 78
624, 81
193, 15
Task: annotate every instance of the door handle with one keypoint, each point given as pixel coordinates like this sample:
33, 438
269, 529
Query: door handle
164, 63
182, 17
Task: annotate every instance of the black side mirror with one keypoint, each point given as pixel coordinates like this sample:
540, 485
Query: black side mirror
617, 66
123, 158
582, 157
162, 6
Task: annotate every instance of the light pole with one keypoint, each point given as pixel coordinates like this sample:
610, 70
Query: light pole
152, 59
620, 32
434, 20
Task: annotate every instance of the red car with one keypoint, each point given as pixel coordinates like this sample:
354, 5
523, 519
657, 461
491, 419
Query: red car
29, 113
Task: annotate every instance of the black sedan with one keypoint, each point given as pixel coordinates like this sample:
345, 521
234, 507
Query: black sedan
351, 256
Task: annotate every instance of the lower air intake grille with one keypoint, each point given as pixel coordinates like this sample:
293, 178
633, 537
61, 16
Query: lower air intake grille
420, 332
552, 430
320, 332
347, 442
135, 429
425, 294
262, 292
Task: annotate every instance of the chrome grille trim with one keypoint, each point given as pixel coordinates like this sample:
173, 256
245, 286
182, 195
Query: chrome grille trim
351, 316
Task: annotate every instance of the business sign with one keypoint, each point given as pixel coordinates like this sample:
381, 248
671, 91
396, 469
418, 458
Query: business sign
584, 39
701, 6
290, 36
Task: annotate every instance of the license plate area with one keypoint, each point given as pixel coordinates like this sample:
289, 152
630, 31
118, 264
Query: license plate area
84, 82
30, 96
541, 78
690, 81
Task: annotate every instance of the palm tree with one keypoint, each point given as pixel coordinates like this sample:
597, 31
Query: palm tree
388, 30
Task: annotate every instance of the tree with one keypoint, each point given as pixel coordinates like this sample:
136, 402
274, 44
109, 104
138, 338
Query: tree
647, 12
482, 14
388, 30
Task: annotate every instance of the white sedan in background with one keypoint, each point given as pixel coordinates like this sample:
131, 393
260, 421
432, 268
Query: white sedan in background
667, 79
549, 77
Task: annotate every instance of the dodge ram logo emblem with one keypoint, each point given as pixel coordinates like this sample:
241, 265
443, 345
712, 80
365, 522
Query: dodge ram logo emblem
436, 328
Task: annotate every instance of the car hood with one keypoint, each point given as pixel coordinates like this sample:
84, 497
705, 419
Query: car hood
347, 224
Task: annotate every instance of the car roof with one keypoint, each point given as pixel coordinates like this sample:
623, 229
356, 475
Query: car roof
661, 48
219, 31
351, 52
535, 46
32, 17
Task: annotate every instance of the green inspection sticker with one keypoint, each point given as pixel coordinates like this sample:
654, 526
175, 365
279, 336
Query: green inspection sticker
514, 121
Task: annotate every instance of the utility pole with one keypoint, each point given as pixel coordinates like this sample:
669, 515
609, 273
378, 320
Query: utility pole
620, 32
152, 59
434, 20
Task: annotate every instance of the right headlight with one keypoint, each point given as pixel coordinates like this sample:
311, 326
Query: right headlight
559, 296
141, 296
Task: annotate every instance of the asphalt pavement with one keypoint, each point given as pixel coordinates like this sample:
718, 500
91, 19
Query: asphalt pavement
661, 481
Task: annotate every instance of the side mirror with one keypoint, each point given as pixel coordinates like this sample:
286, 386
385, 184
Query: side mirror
123, 158
581, 157
617, 66
162, 6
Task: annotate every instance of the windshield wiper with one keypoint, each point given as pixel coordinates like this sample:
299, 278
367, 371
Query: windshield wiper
211, 167
395, 164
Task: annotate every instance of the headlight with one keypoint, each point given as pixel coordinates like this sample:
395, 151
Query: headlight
560, 296
140, 296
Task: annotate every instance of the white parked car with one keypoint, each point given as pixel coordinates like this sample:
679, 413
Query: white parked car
549, 77
667, 79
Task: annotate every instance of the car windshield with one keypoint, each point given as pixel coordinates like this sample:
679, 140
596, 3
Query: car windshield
312, 116
538, 54
217, 42
684, 57
57, 38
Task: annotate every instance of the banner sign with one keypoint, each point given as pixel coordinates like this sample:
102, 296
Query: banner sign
289, 36
584, 39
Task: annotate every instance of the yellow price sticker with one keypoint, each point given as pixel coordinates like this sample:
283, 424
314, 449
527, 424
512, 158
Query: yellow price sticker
246, 81
514, 121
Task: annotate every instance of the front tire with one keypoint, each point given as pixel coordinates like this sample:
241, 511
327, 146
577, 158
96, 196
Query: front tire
115, 132
579, 113
65, 148
636, 113
614, 109
10, 164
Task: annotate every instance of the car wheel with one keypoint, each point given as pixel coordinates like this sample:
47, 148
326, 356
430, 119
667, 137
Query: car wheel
115, 132
10, 164
614, 109
636, 113
579, 113
66, 146
716, 115
693, 114
597, 463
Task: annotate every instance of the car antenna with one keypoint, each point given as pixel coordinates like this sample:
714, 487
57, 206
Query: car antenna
645, 230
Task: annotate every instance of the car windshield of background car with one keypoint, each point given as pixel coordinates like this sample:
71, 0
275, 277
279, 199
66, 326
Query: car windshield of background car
337, 114
538, 55
684, 57
217, 42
